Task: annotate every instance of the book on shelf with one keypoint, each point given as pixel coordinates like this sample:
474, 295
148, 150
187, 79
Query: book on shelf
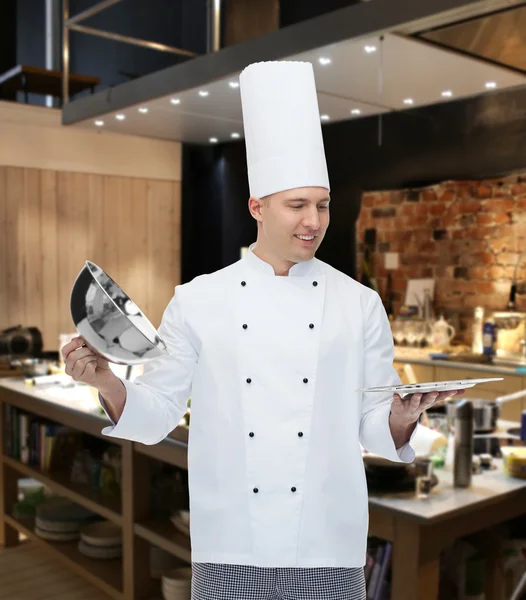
30, 439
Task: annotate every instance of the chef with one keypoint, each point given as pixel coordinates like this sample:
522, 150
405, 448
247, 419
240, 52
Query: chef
273, 351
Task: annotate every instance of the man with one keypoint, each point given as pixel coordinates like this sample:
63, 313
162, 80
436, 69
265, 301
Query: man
273, 350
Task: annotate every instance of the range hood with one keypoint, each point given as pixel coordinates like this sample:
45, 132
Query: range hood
368, 58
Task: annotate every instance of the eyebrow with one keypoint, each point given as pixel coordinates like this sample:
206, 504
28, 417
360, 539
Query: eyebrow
327, 200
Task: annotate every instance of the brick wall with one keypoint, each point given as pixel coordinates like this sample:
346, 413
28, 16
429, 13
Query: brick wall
466, 234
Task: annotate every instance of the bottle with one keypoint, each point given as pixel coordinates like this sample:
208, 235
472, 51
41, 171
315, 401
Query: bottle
464, 444
478, 321
489, 337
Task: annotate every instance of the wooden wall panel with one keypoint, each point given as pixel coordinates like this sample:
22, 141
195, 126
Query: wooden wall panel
249, 19
52, 222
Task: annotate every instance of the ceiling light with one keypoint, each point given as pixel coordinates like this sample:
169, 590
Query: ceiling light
203, 93
99, 123
143, 110
175, 101
323, 60
446, 94
120, 117
234, 84
324, 117
408, 101
213, 140
491, 85
369, 49
235, 136
356, 111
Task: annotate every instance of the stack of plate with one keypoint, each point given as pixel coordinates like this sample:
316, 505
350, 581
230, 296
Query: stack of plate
101, 540
177, 584
60, 520
162, 562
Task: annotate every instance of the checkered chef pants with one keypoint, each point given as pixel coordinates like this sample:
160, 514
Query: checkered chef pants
212, 581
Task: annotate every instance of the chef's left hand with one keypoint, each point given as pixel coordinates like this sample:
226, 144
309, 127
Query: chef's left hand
407, 410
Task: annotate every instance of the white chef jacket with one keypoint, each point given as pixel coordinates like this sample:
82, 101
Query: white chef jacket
272, 365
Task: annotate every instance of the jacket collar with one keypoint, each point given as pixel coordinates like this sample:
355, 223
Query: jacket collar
301, 269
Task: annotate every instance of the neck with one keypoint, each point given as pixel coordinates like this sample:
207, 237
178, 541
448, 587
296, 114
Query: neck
281, 267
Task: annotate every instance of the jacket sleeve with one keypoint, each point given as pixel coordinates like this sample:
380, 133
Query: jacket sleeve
157, 400
375, 434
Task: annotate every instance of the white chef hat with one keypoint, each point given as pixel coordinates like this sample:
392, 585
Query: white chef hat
281, 119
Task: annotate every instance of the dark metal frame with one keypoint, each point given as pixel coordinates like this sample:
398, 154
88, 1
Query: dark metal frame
352, 22
72, 24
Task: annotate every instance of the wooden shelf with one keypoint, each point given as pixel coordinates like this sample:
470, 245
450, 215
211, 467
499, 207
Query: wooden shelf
171, 451
79, 494
105, 574
162, 533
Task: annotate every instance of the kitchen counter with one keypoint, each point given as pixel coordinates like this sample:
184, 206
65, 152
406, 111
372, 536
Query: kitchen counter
421, 529
421, 357
446, 501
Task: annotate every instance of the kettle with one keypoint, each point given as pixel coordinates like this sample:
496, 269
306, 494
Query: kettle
442, 333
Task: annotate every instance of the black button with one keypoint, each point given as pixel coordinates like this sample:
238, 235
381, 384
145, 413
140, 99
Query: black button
300, 433
249, 380
245, 325
314, 283
292, 489
255, 490
311, 325
305, 380
243, 283
251, 434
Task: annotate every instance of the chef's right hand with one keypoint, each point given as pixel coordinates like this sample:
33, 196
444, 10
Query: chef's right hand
84, 364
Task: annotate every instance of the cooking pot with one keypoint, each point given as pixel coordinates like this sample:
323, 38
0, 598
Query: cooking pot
485, 412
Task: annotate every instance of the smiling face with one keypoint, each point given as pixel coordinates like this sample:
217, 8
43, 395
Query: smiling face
291, 225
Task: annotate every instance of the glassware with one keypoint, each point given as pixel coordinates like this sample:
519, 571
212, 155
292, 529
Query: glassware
424, 477
397, 328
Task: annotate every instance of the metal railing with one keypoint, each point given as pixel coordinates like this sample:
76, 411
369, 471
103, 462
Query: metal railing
73, 24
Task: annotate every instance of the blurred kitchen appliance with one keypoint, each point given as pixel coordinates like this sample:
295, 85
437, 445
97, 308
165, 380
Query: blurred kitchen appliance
510, 346
485, 412
20, 341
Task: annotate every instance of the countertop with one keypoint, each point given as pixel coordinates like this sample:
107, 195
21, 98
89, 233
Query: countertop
421, 357
77, 396
446, 501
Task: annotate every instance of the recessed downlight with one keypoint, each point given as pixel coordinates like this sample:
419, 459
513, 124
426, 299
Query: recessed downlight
143, 110
324, 117
409, 101
324, 60
234, 84
99, 123
369, 49
204, 93
120, 117
447, 94
356, 111
175, 100
491, 85
234, 135
213, 140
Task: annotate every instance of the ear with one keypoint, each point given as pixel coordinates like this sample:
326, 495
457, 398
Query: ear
254, 206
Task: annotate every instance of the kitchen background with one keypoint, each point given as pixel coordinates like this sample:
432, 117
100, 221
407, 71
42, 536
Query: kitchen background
466, 235
442, 185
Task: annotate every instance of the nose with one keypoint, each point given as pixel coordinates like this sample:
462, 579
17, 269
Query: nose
312, 219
